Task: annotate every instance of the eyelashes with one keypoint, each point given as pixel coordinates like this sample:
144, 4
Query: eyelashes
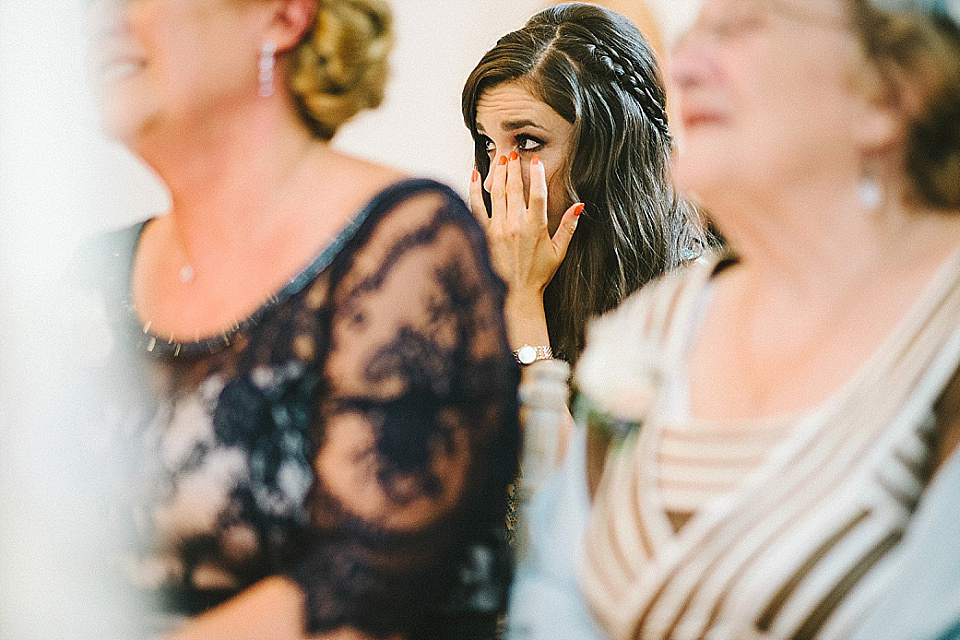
529, 143
522, 143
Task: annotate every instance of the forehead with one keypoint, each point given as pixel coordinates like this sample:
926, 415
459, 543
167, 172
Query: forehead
794, 8
507, 105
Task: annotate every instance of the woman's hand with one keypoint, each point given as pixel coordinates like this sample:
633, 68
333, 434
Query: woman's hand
522, 250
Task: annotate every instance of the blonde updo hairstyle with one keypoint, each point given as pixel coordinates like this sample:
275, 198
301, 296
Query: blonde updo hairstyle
339, 67
918, 56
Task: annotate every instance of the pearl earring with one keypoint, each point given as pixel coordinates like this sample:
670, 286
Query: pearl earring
267, 52
870, 194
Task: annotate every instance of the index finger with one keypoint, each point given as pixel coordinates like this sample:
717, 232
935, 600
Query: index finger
516, 205
537, 208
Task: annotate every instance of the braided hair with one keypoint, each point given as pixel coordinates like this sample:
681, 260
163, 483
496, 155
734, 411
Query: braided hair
621, 70
593, 67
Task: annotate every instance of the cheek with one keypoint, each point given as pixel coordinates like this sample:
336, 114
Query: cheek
525, 174
556, 189
556, 197
150, 22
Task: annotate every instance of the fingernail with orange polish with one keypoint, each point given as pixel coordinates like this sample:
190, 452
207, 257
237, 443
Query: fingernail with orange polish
579, 209
513, 155
475, 176
535, 160
502, 160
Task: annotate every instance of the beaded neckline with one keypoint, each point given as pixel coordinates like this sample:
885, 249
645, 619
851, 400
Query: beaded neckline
158, 345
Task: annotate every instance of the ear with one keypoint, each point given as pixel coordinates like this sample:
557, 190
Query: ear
289, 21
882, 118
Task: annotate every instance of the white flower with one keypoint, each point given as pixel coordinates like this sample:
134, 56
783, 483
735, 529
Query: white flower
618, 370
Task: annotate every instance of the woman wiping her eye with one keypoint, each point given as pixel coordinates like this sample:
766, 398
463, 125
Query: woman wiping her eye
572, 150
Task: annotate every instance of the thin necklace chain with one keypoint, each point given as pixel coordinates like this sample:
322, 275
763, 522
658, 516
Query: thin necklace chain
187, 274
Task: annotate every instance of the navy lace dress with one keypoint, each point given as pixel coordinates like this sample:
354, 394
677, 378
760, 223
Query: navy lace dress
356, 434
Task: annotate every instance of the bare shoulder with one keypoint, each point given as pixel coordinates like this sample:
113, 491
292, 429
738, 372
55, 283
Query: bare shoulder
359, 179
346, 185
365, 180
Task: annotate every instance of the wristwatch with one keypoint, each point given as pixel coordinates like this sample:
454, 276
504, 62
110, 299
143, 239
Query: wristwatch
528, 355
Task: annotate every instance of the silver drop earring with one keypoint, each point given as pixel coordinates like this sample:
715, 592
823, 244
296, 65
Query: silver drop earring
266, 63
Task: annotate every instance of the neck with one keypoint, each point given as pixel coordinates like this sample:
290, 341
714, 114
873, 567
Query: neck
227, 177
816, 240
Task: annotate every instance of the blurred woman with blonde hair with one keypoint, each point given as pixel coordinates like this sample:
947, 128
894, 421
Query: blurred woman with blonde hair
329, 428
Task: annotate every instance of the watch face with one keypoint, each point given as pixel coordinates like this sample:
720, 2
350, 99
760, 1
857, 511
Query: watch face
526, 354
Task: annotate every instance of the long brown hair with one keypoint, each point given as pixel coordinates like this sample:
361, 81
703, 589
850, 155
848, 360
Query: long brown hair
593, 67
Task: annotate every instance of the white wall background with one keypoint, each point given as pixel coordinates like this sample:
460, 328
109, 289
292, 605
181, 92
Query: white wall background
418, 128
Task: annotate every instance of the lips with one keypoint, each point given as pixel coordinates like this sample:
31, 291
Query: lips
117, 58
694, 117
120, 68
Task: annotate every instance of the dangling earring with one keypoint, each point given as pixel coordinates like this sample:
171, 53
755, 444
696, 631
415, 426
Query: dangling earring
870, 192
267, 52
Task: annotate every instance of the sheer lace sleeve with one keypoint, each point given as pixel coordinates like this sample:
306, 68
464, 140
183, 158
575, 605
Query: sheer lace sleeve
415, 438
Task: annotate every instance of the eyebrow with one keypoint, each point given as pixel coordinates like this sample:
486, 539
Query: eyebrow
513, 125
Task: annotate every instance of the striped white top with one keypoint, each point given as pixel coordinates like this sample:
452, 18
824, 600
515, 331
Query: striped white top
795, 525
697, 462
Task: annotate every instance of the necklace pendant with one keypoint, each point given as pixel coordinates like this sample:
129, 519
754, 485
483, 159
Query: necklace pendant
187, 274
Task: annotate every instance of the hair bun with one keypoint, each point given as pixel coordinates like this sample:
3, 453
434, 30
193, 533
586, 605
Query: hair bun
340, 66
949, 9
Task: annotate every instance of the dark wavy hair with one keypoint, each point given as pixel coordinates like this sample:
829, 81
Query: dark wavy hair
593, 67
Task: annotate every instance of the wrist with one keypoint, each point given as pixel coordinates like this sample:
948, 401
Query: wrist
524, 302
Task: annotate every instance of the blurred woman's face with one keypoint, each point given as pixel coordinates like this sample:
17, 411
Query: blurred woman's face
156, 61
510, 118
763, 90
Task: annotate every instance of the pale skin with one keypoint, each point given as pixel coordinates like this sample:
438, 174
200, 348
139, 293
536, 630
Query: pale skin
821, 282
244, 221
528, 229
529, 226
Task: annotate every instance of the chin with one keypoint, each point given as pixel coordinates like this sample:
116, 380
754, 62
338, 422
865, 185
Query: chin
121, 120
703, 158
124, 106
695, 171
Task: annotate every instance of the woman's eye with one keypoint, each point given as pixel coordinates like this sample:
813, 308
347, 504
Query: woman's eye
745, 17
488, 145
526, 143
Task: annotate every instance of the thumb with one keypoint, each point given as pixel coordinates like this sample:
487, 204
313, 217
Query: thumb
568, 224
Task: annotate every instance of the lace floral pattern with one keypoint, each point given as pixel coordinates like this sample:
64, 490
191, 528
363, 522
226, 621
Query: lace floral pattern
358, 434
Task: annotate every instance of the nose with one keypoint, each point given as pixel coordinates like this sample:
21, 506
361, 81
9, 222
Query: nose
689, 58
494, 159
489, 179
105, 17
